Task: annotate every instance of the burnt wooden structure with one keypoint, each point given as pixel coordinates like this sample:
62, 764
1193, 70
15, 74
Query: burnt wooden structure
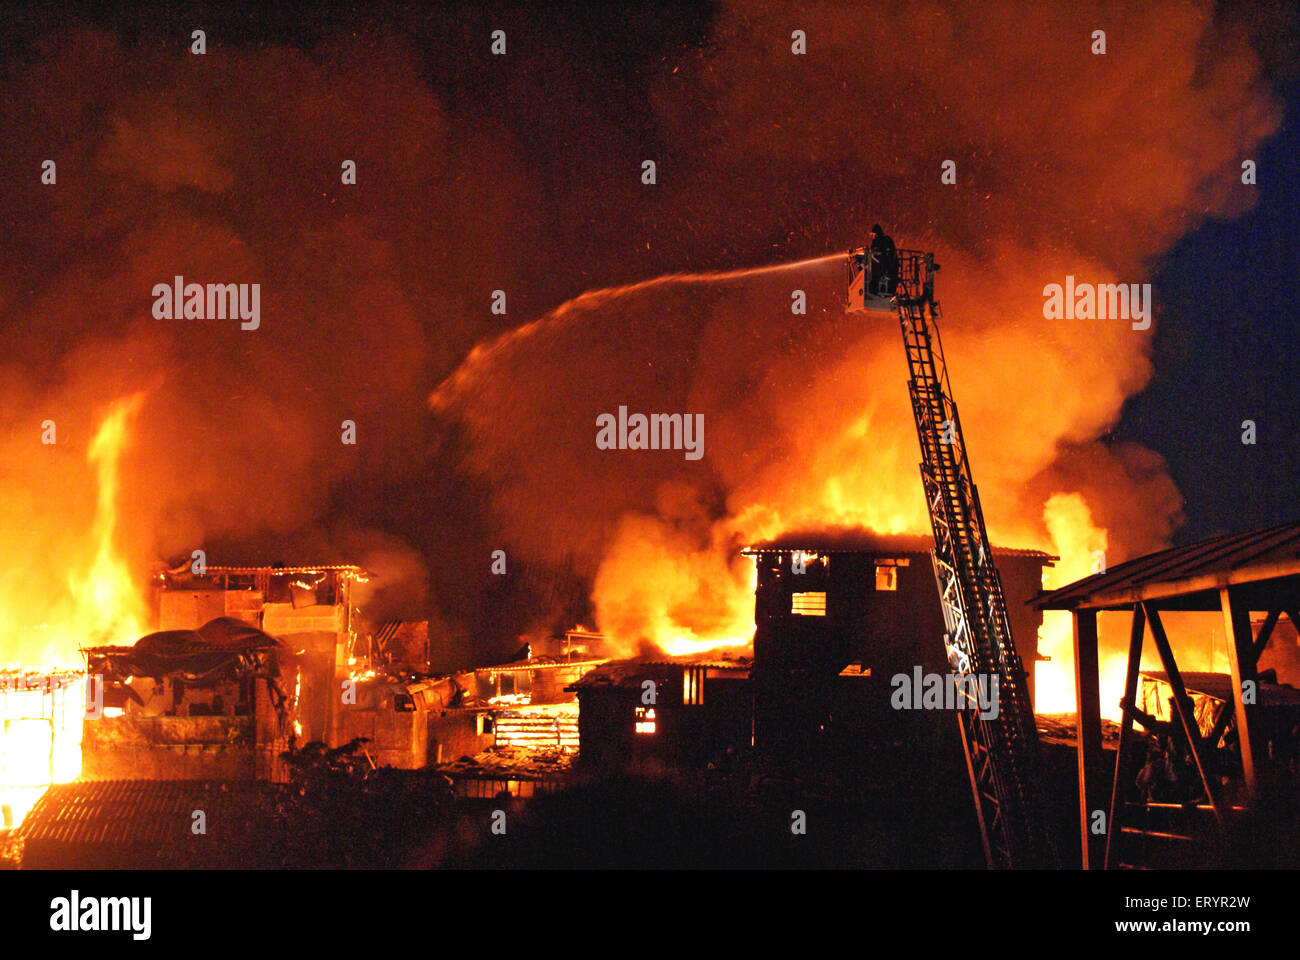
675, 712
205, 709
1232, 576
541, 680
840, 612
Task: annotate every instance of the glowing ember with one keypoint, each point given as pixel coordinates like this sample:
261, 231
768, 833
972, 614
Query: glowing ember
511, 699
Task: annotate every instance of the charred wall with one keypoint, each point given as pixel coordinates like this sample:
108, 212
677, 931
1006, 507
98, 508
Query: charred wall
700, 715
878, 611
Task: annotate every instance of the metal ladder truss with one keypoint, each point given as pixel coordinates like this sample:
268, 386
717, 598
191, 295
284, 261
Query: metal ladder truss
1002, 751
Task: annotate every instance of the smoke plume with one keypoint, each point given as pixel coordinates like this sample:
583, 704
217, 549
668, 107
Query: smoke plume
1092, 170
226, 168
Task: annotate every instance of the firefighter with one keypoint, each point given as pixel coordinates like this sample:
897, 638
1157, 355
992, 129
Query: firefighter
884, 263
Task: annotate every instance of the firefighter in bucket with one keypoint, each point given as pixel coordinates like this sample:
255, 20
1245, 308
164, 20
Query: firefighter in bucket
873, 273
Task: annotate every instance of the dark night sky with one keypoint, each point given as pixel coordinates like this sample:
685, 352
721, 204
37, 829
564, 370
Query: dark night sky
1226, 351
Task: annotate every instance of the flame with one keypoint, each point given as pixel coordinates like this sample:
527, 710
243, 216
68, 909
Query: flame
1081, 545
682, 599
816, 434
674, 582
113, 609
42, 709
41, 742
679, 598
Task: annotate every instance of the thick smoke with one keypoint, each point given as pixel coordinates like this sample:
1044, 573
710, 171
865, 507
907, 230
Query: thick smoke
524, 175
1067, 163
224, 168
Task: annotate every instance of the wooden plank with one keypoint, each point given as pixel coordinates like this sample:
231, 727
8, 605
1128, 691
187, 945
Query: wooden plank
1183, 706
1236, 627
1088, 728
1265, 631
1136, 634
1220, 725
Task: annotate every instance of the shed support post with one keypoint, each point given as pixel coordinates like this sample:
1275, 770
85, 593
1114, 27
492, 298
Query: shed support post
1241, 657
1088, 729
1186, 713
1113, 826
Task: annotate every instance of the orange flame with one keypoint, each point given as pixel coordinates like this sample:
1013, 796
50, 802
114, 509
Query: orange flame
42, 710
685, 598
1081, 546
114, 610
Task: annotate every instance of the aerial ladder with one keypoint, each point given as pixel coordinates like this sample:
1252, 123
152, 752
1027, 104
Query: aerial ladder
1002, 757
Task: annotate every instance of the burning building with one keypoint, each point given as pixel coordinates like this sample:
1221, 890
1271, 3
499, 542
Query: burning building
499, 716
838, 614
40, 736
533, 701
680, 712
674, 294
515, 728
247, 658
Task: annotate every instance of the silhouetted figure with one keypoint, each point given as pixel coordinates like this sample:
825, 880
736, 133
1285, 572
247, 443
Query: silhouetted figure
1154, 779
883, 258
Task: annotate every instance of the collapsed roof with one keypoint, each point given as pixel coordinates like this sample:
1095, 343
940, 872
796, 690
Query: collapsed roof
220, 649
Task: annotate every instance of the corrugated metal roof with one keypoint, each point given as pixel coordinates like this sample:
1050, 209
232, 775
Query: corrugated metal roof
860, 540
631, 672
317, 568
1205, 566
135, 812
541, 663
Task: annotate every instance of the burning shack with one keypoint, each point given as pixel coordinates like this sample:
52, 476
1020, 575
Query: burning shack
245, 659
413, 722
533, 705
839, 613
522, 707
680, 712
40, 736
